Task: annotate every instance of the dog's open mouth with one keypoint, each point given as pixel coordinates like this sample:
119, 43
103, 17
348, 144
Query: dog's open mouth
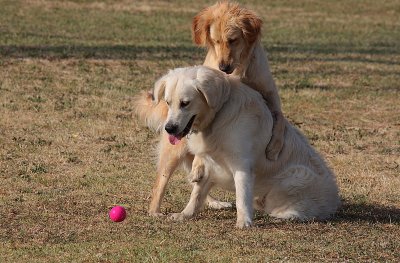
176, 138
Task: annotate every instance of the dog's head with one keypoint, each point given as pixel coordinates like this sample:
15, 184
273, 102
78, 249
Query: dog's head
229, 30
194, 95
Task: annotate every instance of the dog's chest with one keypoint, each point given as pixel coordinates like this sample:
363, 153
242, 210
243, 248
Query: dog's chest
219, 173
198, 145
214, 159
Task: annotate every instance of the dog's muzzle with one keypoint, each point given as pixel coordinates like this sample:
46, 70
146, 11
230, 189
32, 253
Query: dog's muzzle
172, 129
227, 68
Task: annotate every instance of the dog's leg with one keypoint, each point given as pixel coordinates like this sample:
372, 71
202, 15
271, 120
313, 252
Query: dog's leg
244, 183
196, 175
299, 193
198, 170
216, 204
266, 86
196, 202
171, 156
275, 145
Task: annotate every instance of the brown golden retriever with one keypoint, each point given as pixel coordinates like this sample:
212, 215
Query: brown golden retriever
232, 35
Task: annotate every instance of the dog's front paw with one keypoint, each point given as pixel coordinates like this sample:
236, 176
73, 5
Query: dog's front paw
275, 145
272, 155
177, 216
244, 224
197, 173
274, 149
156, 214
215, 204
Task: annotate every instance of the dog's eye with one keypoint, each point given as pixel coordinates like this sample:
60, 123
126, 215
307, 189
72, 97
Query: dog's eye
183, 104
231, 41
167, 102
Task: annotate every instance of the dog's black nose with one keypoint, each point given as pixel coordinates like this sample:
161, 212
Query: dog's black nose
171, 128
225, 68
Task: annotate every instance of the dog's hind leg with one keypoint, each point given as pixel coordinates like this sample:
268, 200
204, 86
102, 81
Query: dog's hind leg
300, 193
170, 157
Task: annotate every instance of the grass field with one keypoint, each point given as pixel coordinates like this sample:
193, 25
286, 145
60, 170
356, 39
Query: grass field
71, 148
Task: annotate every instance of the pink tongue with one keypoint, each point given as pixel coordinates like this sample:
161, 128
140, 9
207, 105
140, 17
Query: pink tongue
173, 139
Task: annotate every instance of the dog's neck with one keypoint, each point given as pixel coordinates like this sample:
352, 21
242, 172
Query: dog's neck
205, 121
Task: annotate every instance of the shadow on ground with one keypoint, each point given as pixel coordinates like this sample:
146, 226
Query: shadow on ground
114, 52
352, 213
309, 52
368, 213
347, 213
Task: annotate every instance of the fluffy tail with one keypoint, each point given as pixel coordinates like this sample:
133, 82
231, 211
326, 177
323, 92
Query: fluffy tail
151, 114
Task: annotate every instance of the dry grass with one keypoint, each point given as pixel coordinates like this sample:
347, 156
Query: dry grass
70, 147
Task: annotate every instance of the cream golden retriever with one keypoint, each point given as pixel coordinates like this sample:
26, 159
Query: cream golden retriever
232, 36
228, 126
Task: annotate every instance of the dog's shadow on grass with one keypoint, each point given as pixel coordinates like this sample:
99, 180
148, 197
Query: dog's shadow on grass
371, 213
359, 213
348, 213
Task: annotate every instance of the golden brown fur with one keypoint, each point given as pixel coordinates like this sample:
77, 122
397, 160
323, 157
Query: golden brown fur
232, 36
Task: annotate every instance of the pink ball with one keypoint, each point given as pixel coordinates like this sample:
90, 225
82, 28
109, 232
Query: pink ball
117, 213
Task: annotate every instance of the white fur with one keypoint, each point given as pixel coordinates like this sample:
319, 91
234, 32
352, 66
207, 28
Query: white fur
232, 128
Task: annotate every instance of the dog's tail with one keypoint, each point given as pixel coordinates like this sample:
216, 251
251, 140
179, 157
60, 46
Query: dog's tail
149, 113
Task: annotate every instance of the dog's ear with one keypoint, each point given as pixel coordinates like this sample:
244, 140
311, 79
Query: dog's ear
250, 25
159, 89
213, 86
201, 27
